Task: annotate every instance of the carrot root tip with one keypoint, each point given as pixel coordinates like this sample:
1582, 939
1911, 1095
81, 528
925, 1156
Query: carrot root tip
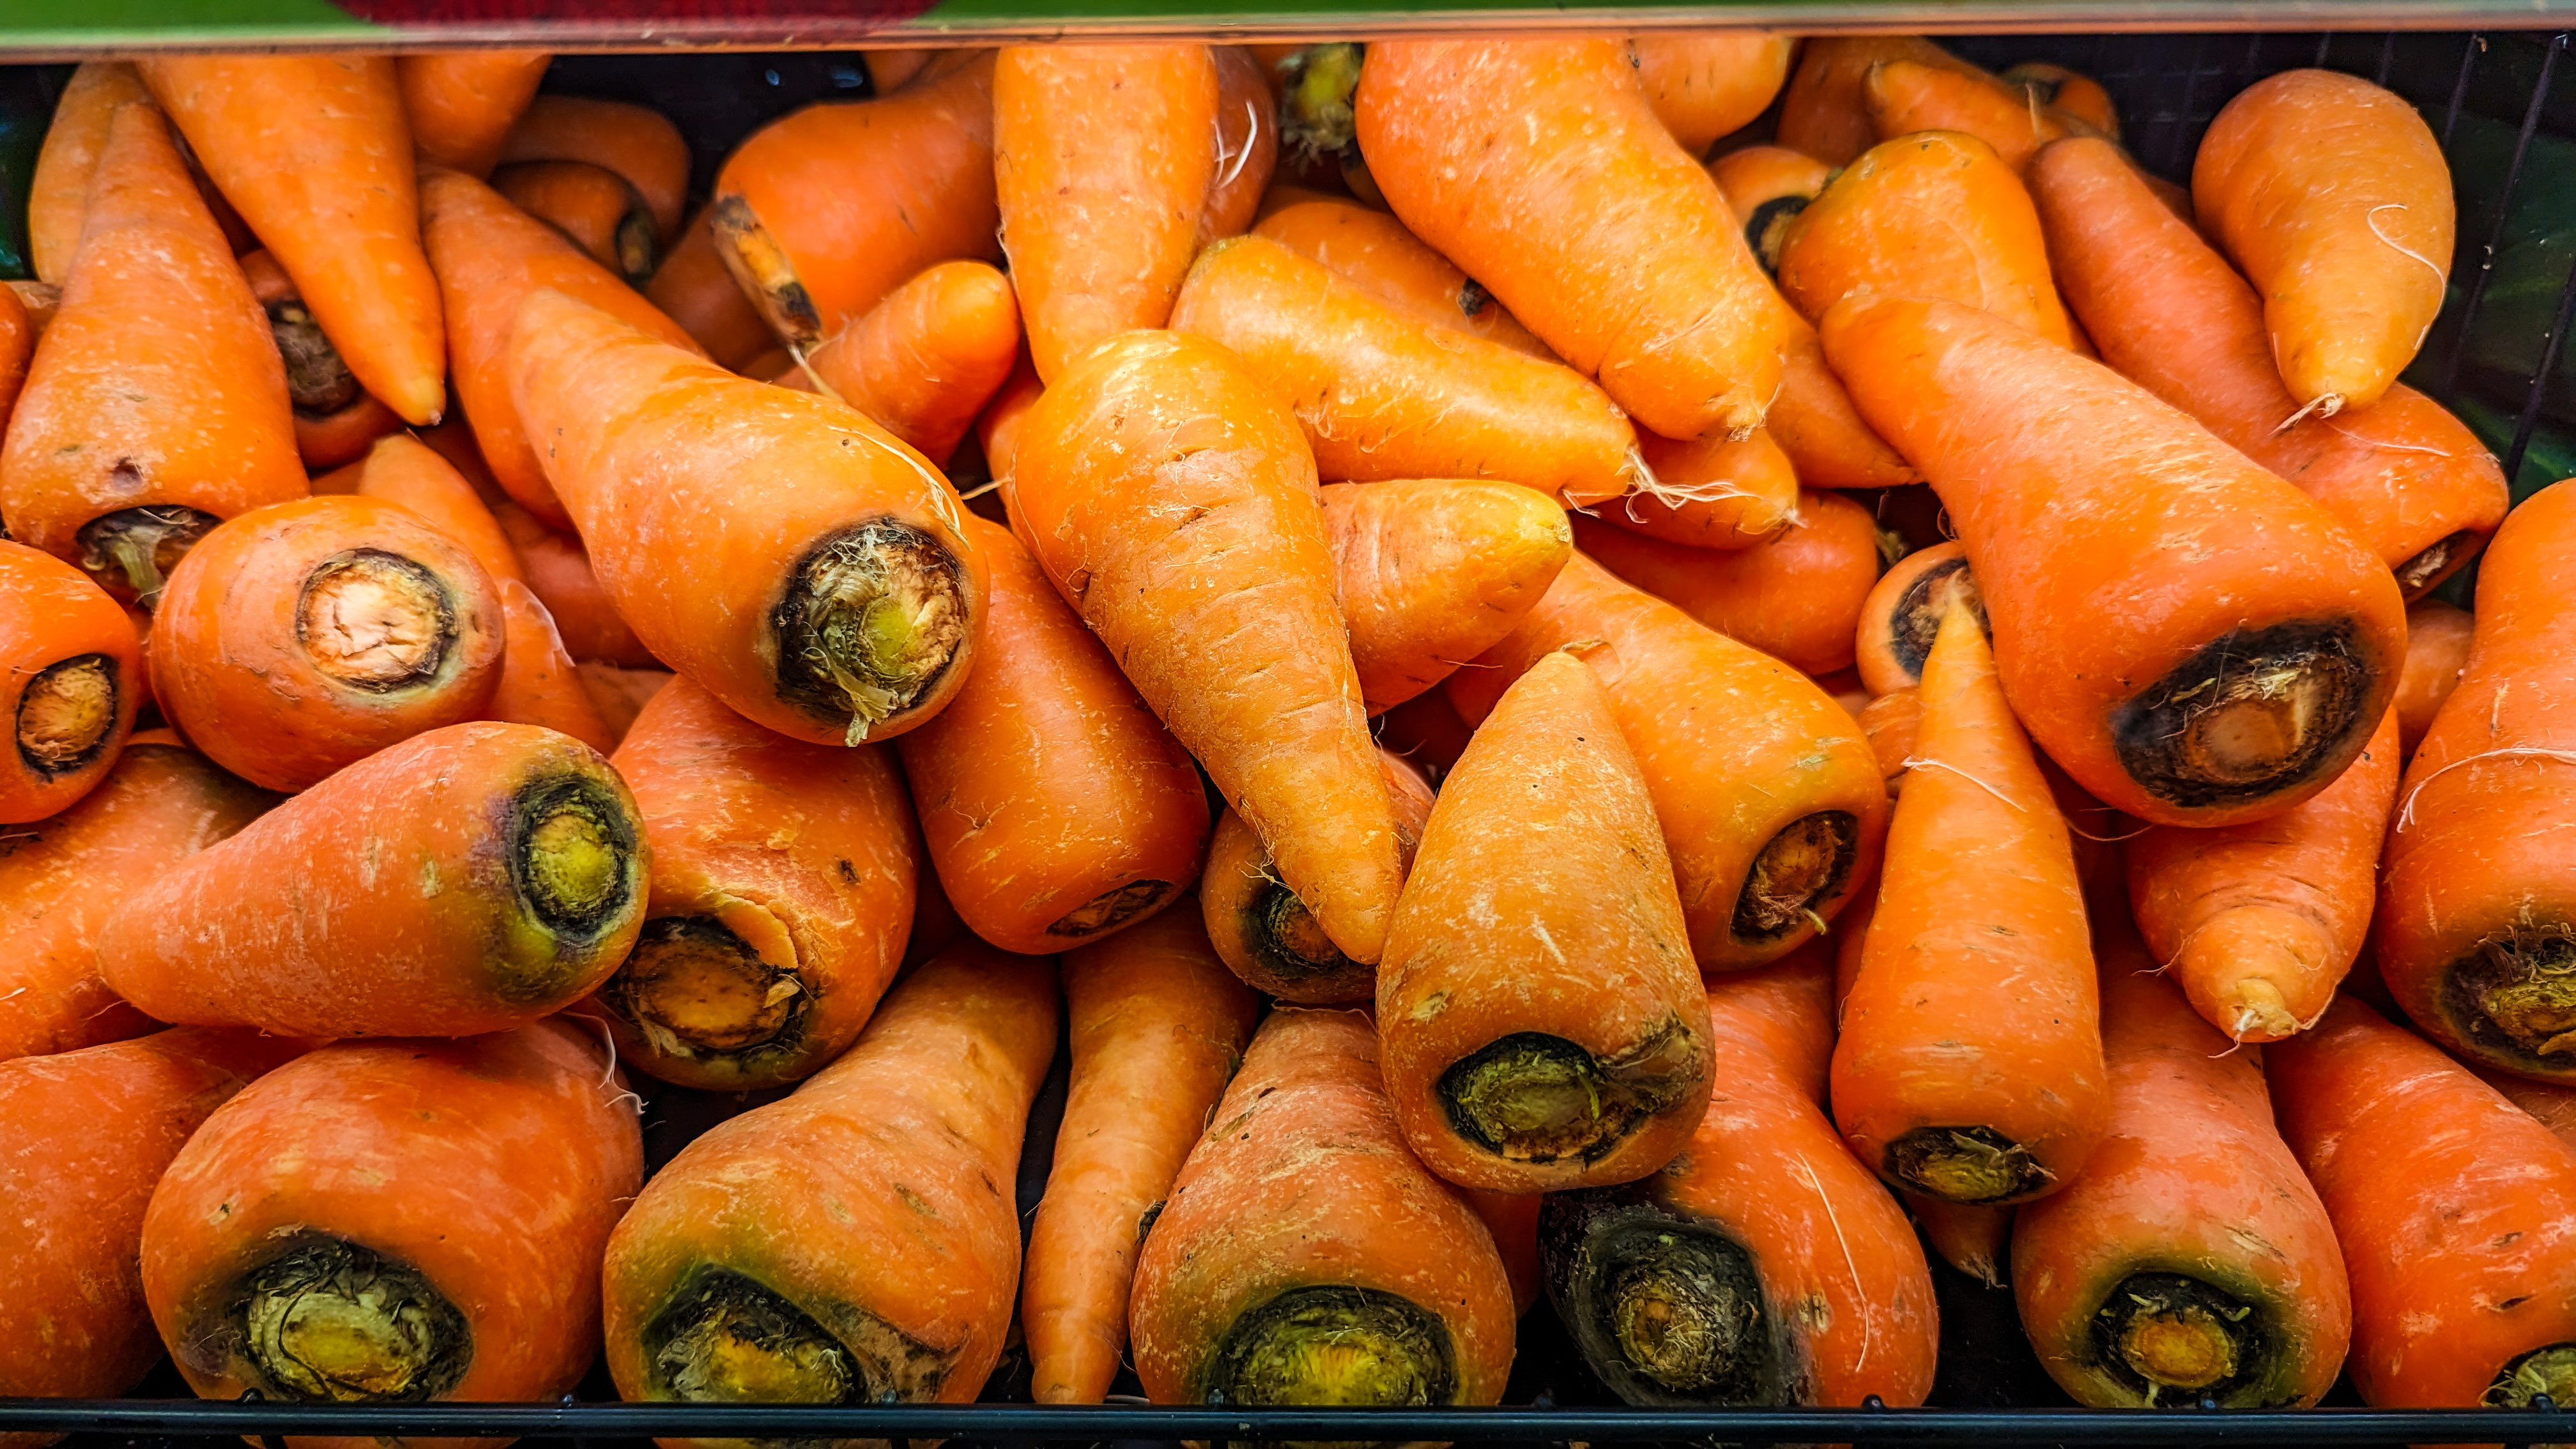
2166, 1334
1666, 1309
331, 1321
375, 621
767, 275
1111, 909
2419, 574
1802, 868
2252, 714
129, 552
1969, 1165
2521, 986
318, 382
1316, 117
2550, 1370
1533, 1097
692, 989
873, 617
1335, 1344
66, 715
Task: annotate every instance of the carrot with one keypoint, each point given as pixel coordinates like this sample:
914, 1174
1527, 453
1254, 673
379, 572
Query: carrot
2477, 909
558, 572
1055, 807
1936, 215
779, 549
336, 420
1265, 934
997, 428
856, 1242
2551, 1105
1209, 579
58, 189
1714, 492
1796, 597
1247, 146
1977, 1241
404, 471
2073, 92
621, 694
598, 210
1904, 97
154, 406
924, 361
693, 288
1269, 1283
2190, 1260
2194, 640
2451, 1205
1893, 721
1766, 187
821, 213
636, 142
70, 680
1816, 423
17, 342
314, 152
890, 70
1157, 1027
86, 1136
325, 912
1902, 615
1434, 572
1771, 804
2437, 654
1565, 1049
1706, 84
490, 257
1970, 1062
2408, 480
462, 103
1822, 112
1765, 1266
1373, 252
2333, 196
397, 1222
1425, 732
1538, 166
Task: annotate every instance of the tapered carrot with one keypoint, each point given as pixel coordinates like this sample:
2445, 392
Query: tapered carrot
396, 1222
2451, 1205
621, 694
2195, 641
2410, 481
1796, 597
1209, 579
855, 1243
557, 570
1771, 803
1270, 1283
315, 154
1158, 1026
1904, 97
636, 142
2437, 654
462, 103
70, 681
155, 405
2333, 196
599, 210
490, 257
1713, 492
1766, 187
1538, 166
1373, 252
1247, 146
469, 879
1434, 572
821, 213
827, 592
1765, 1266
1902, 615
1566, 1049
1975, 1240
1707, 84
693, 288
1822, 112
2073, 92
1054, 805
2477, 906
924, 361
1816, 424
2190, 1260
58, 190
405, 471
1970, 1062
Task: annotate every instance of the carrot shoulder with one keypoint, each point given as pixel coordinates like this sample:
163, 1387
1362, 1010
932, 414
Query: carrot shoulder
462, 103
1373, 252
1707, 84
1902, 615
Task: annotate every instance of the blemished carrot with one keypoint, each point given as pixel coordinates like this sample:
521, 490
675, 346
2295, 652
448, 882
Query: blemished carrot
336, 420
1209, 578
1970, 1062
1567, 1049
1434, 572
319, 918
1766, 1266
460, 1262
1892, 721
1822, 113
155, 405
827, 590
997, 428
1975, 1240
1273, 1284
1706, 84
1766, 187
1934, 215
2476, 922
1796, 597
2451, 1204
2259, 922
462, 103
2194, 640
557, 570
2334, 198
58, 190
86, 1136
1382, 395
2437, 654
314, 152
1247, 146
2550, 1104
490, 257
1055, 806
1157, 1026
1770, 800
1538, 166
1907, 96
621, 694
2073, 92
1714, 492
855, 1243
636, 142
599, 210
924, 361
693, 288
2411, 482
1265, 934
1373, 252
71, 679
1902, 615
2190, 1260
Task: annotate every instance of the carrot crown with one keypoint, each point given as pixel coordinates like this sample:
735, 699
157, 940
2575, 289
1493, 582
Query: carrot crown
1334, 1344
1668, 1309
873, 617
67, 714
722, 1337
326, 1320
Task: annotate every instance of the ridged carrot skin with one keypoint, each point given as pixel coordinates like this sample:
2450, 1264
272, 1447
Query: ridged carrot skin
1796, 597
58, 190
2437, 654
462, 103
71, 679
924, 361
1434, 572
1373, 252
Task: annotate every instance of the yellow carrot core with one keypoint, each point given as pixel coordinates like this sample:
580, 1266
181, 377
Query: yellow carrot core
1798, 873
66, 713
2550, 1370
1316, 118
761, 266
375, 621
2167, 1336
572, 855
694, 989
872, 619
1329, 1345
317, 381
1965, 1165
2426, 569
2524, 984
129, 552
724, 1337
331, 1321
1666, 1309
2252, 714
1533, 1097
1113, 907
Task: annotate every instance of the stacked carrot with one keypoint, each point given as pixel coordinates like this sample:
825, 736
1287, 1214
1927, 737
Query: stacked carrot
647, 697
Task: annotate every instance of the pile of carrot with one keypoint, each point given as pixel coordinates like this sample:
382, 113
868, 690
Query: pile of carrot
1676, 675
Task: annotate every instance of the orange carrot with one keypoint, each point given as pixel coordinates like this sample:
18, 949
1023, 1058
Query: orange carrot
37, 302
1766, 187
1816, 423
58, 191
2194, 640
924, 361
599, 210
1715, 492
558, 572
890, 70
403, 470
2076, 94
1512, 1218
2437, 654
1538, 166
1822, 113
1893, 721
1055, 807
636, 142
2551, 1105
1373, 252
621, 694
71, 678
1157, 1026
693, 288
1904, 97
1434, 572
1975, 1240
1902, 615
1247, 146
462, 103
1796, 598
1706, 84
1209, 579
1265, 934
997, 428
336, 420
